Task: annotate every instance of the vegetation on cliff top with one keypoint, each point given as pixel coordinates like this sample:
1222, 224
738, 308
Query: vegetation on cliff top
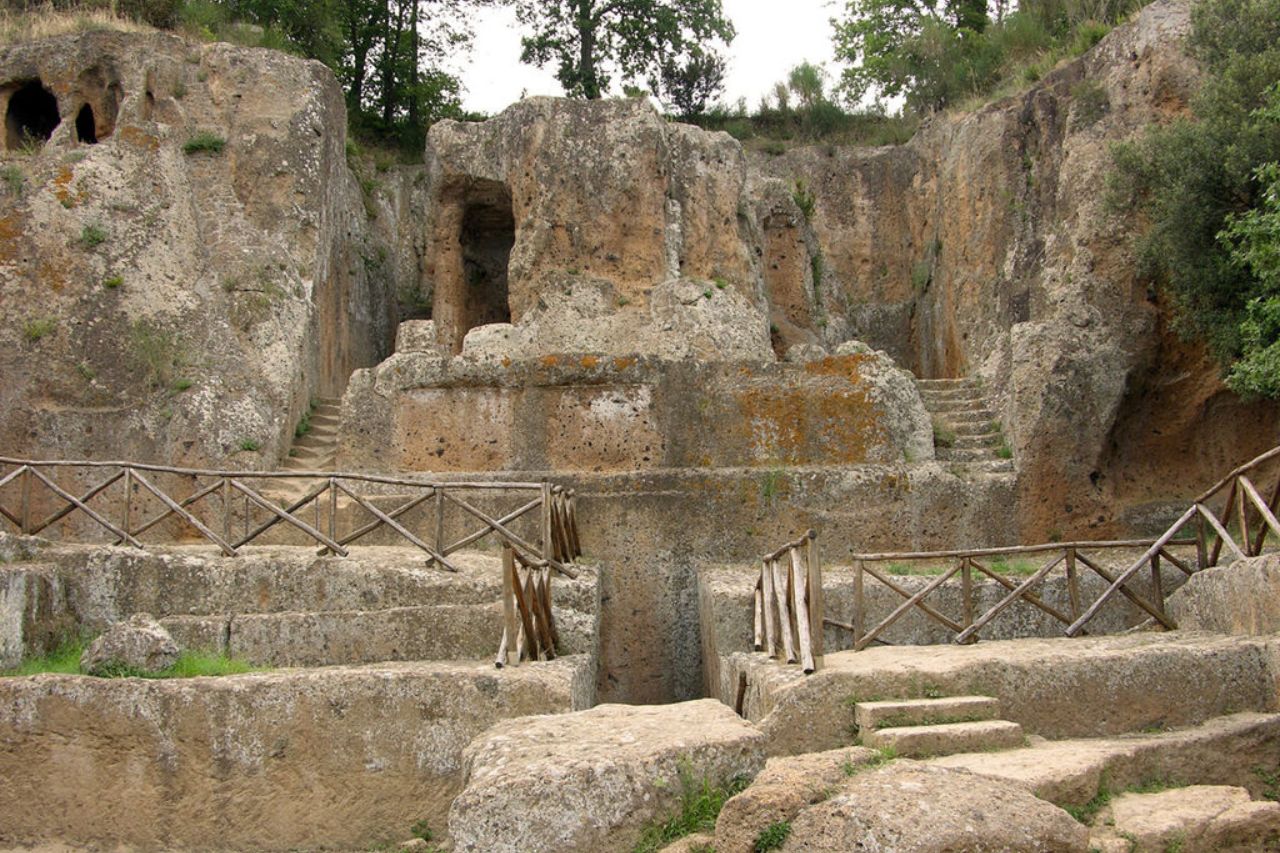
1209, 186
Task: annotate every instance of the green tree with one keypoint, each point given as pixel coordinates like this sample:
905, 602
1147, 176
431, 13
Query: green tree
590, 40
688, 86
1201, 177
898, 48
1253, 240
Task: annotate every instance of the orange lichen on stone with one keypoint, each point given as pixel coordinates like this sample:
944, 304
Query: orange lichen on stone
805, 426
837, 365
139, 138
590, 361
10, 232
624, 363
550, 360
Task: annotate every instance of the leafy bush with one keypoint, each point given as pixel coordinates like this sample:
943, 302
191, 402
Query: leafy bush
204, 141
1204, 186
92, 235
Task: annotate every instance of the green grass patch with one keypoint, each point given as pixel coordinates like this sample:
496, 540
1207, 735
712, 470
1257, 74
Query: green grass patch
1023, 568
13, 179
93, 235
65, 660
772, 837
910, 569
204, 142
112, 282
700, 804
249, 445
39, 327
1086, 813
943, 435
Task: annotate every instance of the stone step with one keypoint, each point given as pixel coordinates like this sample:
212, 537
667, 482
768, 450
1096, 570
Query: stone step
960, 382
977, 409
893, 713
977, 428
302, 451
952, 394
324, 421
946, 739
988, 441
322, 440
972, 419
967, 454
993, 467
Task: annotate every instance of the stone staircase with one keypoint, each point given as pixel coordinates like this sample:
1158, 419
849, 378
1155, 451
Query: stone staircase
317, 448
918, 728
966, 430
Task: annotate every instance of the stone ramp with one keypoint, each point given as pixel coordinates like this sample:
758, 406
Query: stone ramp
284, 606
1085, 687
333, 758
1221, 751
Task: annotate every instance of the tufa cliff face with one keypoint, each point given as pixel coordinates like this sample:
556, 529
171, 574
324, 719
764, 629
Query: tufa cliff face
185, 257
985, 247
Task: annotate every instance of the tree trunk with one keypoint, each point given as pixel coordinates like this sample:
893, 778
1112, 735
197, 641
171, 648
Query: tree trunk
587, 50
415, 100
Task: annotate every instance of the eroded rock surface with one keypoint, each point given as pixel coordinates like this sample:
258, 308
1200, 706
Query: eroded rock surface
178, 287
139, 643
785, 787
1240, 598
1195, 819
907, 806
592, 780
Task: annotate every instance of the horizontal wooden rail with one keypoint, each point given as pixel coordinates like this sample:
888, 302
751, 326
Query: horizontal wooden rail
1244, 508
552, 546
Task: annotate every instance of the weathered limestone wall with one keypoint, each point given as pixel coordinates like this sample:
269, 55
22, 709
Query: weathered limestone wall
603, 195
336, 757
172, 306
985, 247
420, 412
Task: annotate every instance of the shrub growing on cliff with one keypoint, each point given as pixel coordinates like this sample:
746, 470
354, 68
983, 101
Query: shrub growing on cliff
700, 804
204, 142
1201, 184
14, 181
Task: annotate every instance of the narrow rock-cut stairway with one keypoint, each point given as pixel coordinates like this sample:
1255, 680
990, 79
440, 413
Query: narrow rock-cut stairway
965, 429
924, 727
317, 448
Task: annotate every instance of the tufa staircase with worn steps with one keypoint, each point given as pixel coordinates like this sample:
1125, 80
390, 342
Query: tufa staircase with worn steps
919, 728
966, 431
316, 449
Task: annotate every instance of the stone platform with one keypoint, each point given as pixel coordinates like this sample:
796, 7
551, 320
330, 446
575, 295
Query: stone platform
1055, 688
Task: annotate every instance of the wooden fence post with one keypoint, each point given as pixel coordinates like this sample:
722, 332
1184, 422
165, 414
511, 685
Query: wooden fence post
817, 609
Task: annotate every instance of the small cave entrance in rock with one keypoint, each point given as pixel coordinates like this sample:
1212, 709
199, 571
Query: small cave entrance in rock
30, 116
86, 129
486, 238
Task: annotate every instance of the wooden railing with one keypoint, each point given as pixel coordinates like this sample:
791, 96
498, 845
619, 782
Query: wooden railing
788, 604
526, 611
976, 564
1239, 503
1242, 507
224, 509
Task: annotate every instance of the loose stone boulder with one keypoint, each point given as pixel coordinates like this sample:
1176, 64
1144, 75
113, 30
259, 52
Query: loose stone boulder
914, 808
140, 643
783, 789
1192, 819
1242, 598
592, 780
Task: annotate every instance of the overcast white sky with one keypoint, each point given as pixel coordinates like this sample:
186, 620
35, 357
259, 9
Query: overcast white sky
773, 37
